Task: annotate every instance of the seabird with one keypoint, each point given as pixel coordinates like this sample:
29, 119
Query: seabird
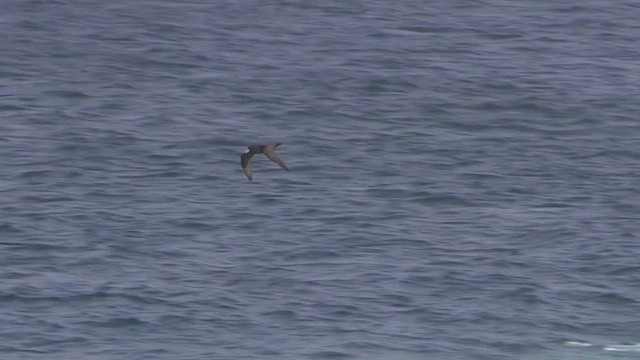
269, 149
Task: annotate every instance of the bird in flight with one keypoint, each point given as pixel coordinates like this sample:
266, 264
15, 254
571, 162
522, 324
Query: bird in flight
269, 149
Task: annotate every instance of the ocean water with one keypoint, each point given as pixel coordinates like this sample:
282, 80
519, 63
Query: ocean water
464, 180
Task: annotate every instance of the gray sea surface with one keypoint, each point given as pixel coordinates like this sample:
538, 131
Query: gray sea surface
464, 184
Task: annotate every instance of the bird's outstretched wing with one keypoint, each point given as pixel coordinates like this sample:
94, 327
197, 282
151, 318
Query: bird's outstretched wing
245, 161
270, 152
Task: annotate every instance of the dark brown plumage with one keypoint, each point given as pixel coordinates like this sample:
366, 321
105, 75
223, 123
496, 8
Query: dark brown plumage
268, 149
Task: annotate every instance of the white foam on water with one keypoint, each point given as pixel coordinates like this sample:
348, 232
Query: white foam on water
577, 343
625, 348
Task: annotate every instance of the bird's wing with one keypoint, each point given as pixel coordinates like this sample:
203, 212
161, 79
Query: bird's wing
270, 152
245, 161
